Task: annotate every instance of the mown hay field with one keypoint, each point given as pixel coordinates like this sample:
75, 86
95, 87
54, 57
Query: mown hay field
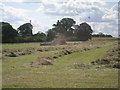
86, 64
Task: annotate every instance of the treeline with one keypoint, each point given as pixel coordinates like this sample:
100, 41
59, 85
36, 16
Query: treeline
22, 34
101, 35
71, 31
67, 27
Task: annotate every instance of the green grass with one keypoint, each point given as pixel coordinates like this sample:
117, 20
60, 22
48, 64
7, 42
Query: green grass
65, 79
0, 74
81, 57
59, 75
20, 45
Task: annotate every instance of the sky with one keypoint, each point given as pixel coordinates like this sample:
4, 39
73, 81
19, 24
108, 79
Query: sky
102, 15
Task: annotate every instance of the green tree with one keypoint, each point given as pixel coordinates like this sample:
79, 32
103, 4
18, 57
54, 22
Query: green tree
25, 30
40, 37
101, 35
50, 35
64, 26
8, 33
83, 31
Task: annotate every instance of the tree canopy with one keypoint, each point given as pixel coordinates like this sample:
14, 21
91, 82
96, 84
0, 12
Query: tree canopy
8, 32
83, 32
40, 37
25, 30
64, 26
50, 35
101, 35
67, 27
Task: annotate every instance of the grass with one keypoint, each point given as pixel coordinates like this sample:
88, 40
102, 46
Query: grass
0, 66
104, 38
20, 45
65, 79
61, 74
0, 74
68, 61
37, 44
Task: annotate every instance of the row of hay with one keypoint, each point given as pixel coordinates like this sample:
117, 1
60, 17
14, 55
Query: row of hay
49, 60
110, 60
65, 50
27, 51
18, 52
15, 52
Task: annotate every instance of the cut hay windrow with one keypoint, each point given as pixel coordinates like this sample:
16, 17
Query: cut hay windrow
49, 60
110, 60
15, 52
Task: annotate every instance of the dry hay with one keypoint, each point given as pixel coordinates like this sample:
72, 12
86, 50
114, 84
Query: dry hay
12, 54
30, 50
43, 61
117, 65
110, 60
101, 61
48, 60
40, 61
18, 52
83, 46
69, 49
81, 66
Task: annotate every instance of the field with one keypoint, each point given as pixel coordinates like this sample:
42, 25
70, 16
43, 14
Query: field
104, 38
88, 64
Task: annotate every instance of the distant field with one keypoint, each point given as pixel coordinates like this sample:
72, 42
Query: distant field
20, 45
102, 38
71, 65
37, 44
